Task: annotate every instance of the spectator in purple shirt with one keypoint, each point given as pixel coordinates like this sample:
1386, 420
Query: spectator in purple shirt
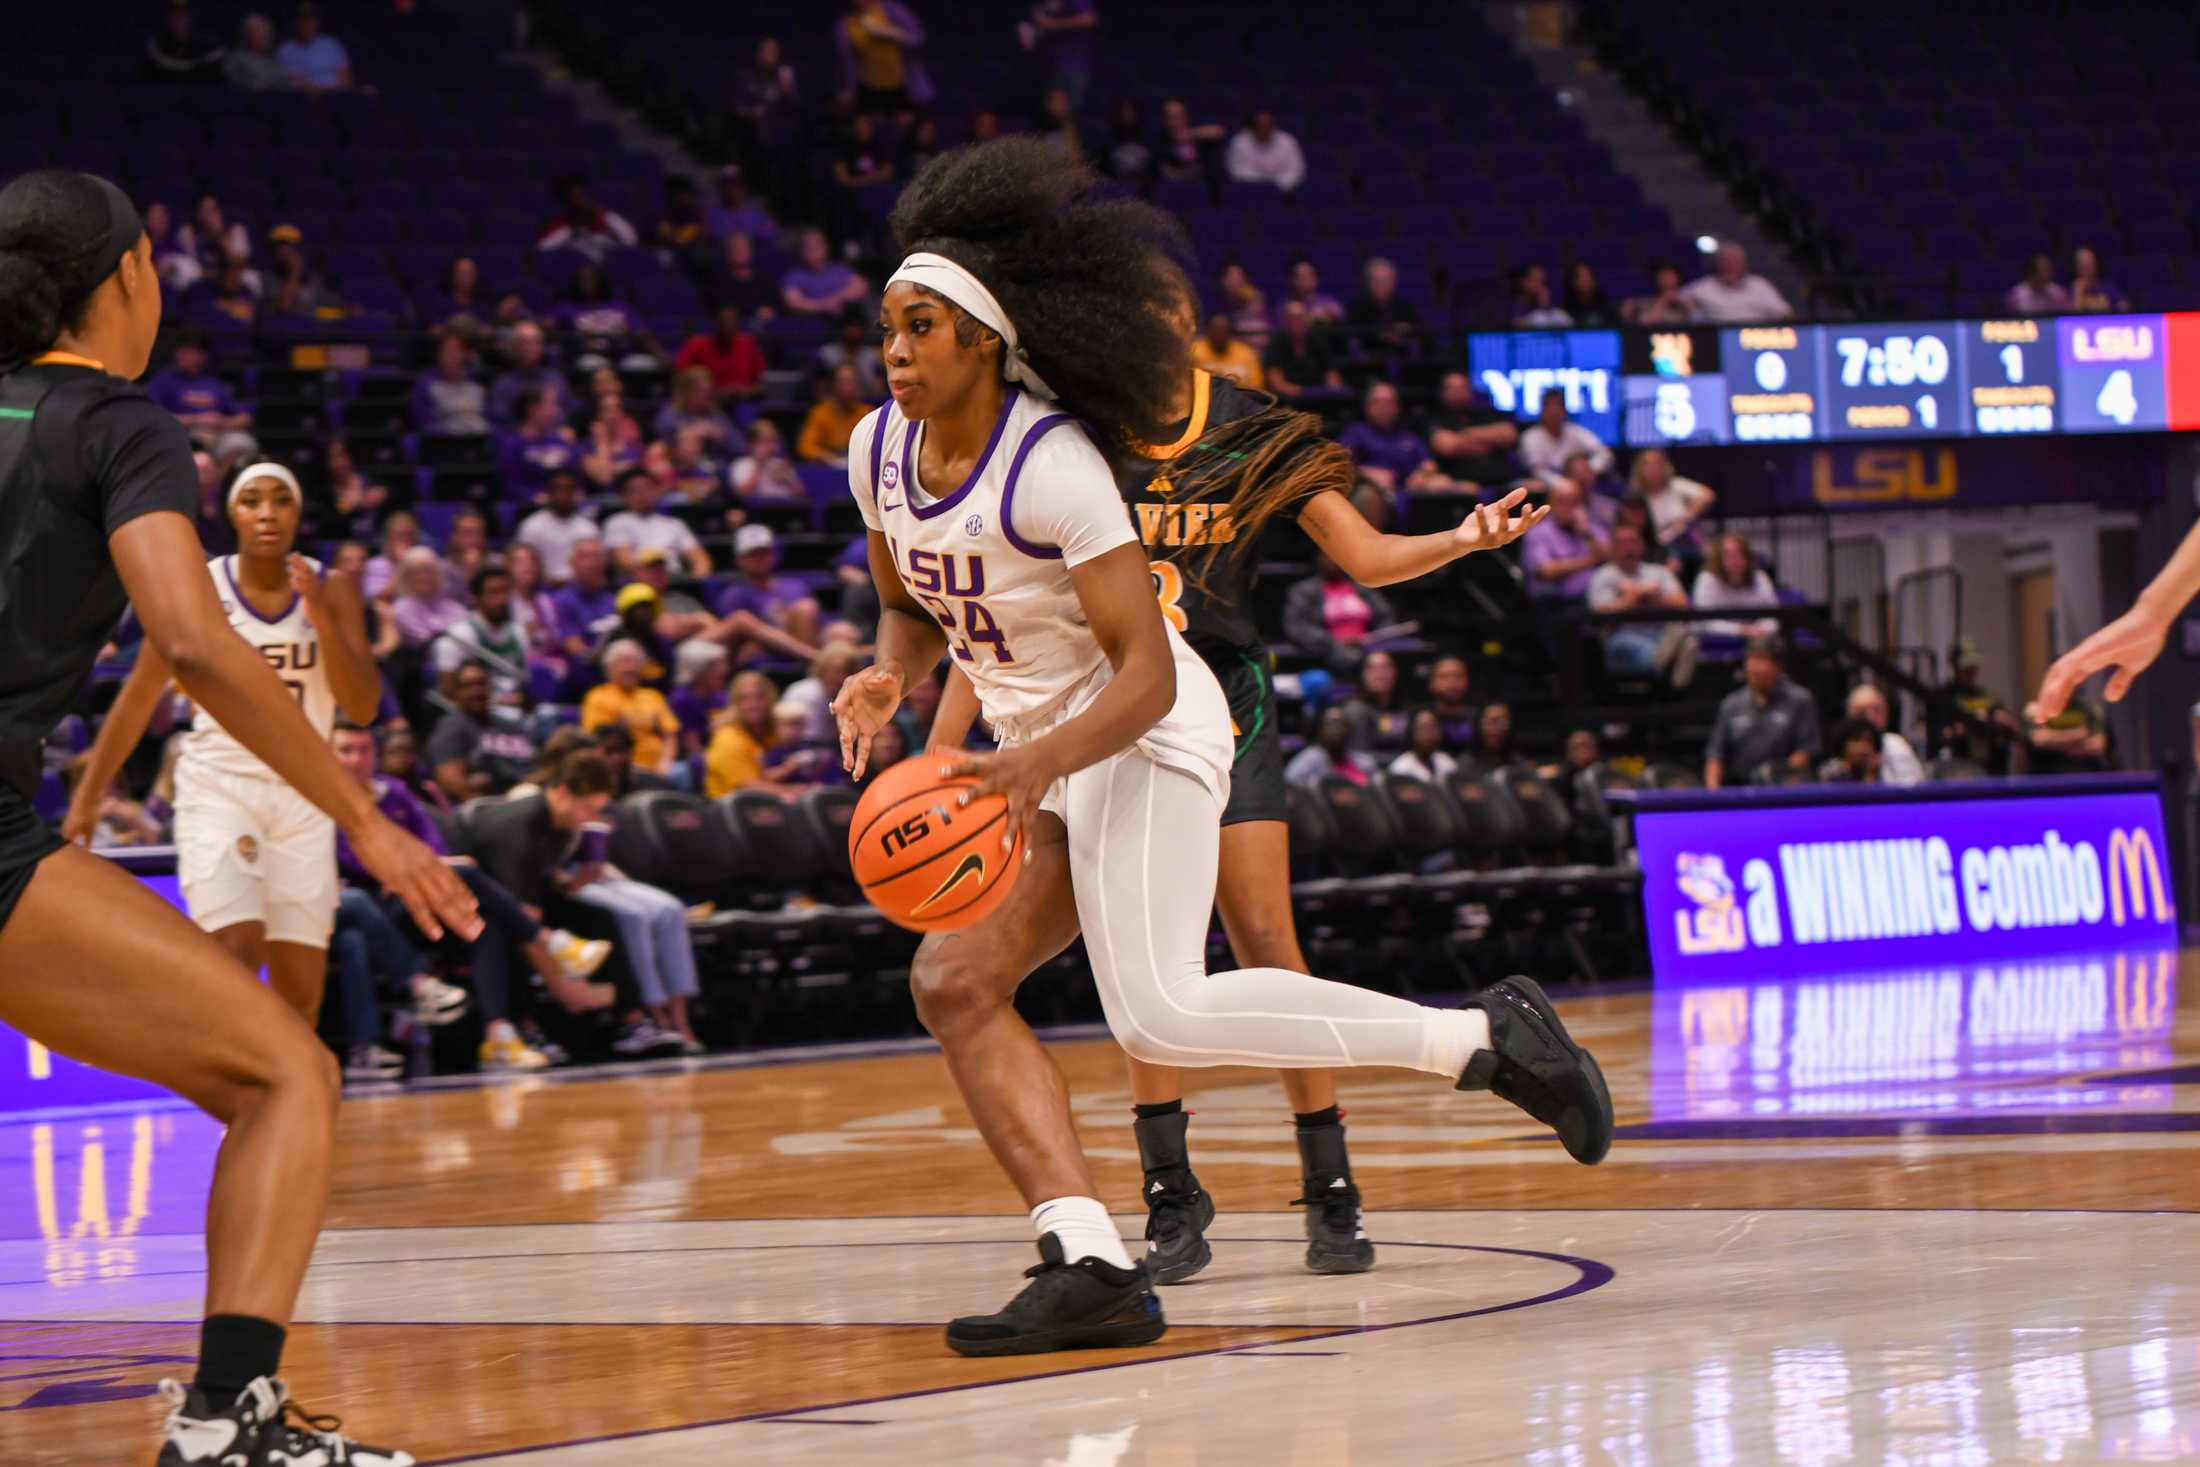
820, 286
757, 587
202, 402
1563, 551
587, 605
1061, 32
424, 608
449, 400
1305, 287
1391, 454
543, 448
702, 670
605, 329
529, 372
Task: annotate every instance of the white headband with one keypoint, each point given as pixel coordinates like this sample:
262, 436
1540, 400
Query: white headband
274, 471
944, 277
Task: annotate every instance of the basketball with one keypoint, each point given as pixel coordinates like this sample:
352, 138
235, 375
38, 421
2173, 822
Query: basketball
931, 864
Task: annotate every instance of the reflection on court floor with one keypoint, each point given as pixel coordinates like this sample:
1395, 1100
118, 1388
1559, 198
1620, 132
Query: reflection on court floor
1935, 1215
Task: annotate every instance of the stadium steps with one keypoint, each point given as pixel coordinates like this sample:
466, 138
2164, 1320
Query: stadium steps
1644, 150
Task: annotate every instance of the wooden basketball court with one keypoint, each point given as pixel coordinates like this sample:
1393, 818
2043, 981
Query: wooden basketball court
1935, 1218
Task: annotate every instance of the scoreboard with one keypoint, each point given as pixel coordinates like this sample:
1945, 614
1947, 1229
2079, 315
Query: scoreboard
1848, 383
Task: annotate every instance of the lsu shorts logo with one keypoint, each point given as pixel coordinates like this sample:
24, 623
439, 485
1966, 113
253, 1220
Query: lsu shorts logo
249, 849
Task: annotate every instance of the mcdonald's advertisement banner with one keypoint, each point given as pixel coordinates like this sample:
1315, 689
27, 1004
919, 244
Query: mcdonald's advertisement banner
1743, 891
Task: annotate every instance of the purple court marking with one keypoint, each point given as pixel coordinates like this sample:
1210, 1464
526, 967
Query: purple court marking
2175, 1075
1791, 1128
806, 1421
1592, 1275
1285, 1354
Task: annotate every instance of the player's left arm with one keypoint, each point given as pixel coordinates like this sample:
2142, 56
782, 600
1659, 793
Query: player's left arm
334, 607
1115, 588
1373, 558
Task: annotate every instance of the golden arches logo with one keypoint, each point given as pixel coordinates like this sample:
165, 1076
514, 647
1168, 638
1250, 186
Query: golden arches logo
2134, 863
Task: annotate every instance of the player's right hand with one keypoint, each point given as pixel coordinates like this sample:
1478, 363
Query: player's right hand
2129, 644
417, 876
864, 705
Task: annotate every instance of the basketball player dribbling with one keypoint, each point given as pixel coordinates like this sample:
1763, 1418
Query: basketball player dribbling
1233, 463
1023, 301
98, 498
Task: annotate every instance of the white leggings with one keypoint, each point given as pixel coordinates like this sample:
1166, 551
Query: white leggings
1143, 843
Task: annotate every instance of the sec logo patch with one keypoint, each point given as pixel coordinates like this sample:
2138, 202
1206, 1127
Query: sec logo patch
890, 475
975, 525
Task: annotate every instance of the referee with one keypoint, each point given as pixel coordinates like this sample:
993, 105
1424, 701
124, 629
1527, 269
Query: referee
97, 494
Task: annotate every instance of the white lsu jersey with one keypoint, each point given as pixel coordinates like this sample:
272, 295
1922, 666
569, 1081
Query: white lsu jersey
291, 647
991, 560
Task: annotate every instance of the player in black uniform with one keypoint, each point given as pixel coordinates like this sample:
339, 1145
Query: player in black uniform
97, 499
1201, 502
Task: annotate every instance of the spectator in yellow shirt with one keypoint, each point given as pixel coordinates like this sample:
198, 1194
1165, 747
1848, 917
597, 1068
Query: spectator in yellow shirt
744, 731
641, 711
825, 432
1220, 352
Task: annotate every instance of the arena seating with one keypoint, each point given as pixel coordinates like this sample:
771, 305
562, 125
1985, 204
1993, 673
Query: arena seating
1458, 166
1844, 127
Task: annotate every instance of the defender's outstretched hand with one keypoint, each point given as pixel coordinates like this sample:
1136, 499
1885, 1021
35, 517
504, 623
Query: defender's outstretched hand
1488, 526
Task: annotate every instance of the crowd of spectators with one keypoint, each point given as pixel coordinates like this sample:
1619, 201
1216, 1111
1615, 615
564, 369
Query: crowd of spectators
616, 616
2039, 293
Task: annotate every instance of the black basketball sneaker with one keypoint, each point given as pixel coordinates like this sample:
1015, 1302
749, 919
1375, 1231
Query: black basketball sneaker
1086, 1305
1336, 1235
261, 1428
1536, 1065
1178, 1210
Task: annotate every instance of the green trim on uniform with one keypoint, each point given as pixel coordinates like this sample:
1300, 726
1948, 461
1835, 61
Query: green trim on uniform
1260, 708
24, 413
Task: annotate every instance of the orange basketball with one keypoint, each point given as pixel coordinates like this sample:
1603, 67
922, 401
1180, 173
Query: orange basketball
931, 864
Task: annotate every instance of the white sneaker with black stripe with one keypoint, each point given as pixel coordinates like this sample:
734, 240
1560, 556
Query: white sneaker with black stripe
261, 1428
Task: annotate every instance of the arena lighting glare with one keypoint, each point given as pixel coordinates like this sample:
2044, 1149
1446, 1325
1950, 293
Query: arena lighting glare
1707, 244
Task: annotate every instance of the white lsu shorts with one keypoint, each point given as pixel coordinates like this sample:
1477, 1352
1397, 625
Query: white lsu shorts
249, 848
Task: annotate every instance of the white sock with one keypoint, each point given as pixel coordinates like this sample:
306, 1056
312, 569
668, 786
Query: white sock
1451, 1037
1083, 1228
501, 1031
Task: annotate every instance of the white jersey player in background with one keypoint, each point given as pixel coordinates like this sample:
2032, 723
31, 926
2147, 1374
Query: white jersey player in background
256, 861
997, 536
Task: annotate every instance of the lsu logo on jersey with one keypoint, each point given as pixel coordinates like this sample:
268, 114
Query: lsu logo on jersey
1715, 926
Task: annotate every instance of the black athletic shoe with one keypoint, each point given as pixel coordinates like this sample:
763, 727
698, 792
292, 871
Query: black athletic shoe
1336, 1237
1534, 1064
261, 1428
1178, 1214
1086, 1305
1178, 1210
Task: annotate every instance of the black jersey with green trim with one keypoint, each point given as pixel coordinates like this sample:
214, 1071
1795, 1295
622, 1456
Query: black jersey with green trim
1175, 520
